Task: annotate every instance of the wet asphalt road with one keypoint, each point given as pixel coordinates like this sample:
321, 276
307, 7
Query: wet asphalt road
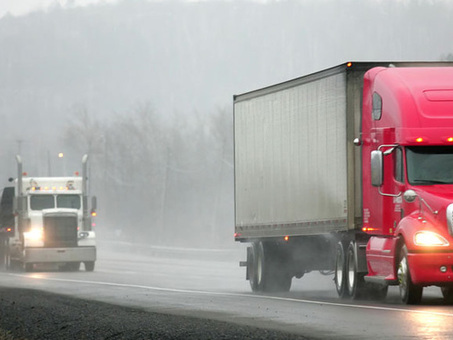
201, 294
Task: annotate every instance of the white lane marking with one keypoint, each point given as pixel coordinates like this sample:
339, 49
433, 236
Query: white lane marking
187, 291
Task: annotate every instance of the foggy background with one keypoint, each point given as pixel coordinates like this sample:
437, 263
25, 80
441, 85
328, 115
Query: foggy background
145, 88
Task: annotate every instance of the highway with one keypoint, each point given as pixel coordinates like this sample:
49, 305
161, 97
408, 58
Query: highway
210, 284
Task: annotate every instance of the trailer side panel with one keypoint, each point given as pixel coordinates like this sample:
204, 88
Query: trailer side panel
290, 158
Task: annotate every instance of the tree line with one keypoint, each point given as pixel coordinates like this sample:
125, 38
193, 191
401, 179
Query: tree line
159, 179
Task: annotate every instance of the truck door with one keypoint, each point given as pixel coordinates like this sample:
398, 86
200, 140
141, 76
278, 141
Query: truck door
385, 201
398, 187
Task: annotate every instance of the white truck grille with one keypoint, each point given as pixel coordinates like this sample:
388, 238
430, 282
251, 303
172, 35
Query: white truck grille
60, 231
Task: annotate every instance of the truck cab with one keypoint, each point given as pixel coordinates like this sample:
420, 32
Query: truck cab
52, 223
407, 153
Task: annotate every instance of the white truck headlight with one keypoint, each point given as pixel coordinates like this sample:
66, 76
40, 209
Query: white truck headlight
35, 234
429, 239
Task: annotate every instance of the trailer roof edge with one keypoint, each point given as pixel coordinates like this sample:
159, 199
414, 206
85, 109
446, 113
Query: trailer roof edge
345, 67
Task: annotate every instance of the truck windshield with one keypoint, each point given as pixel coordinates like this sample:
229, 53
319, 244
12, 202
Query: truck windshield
40, 202
429, 165
68, 201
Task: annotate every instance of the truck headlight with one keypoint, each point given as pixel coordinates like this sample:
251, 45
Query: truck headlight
429, 239
35, 234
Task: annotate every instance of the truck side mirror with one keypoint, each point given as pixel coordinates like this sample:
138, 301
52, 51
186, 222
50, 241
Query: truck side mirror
377, 173
94, 203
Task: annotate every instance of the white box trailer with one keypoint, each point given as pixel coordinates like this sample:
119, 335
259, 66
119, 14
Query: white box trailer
294, 156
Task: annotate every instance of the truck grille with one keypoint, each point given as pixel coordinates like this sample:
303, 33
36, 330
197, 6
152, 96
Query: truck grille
60, 231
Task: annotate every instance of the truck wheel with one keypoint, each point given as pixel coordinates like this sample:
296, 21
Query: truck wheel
256, 264
340, 271
447, 293
28, 267
276, 277
355, 282
266, 273
280, 283
71, 266
410, 293
89, 266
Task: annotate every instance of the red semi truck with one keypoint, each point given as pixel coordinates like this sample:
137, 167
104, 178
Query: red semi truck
349, 170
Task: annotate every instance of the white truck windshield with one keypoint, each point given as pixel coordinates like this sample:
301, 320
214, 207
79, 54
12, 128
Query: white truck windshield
40, 202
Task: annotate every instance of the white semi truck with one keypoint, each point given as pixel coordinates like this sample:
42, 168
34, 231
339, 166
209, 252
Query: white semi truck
52, 222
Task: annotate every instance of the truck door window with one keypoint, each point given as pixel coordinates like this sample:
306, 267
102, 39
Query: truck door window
429, 165
377, 106
399, 168
68, 201
40, 202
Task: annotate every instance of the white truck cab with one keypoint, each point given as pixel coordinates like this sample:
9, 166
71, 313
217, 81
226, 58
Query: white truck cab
52, 222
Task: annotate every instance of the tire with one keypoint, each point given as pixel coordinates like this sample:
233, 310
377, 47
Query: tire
89, 266
28, 267
447, 293
355, 282
276, 277
71, 267
278, 281
266, 272
340, 271
255, 267
410, 293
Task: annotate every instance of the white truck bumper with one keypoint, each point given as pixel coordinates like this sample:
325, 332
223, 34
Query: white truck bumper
59, 255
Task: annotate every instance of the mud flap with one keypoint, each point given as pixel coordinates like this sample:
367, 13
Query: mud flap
362, 266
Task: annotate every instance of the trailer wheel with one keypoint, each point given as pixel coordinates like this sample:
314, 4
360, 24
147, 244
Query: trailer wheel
276, 277
355, 281
255, 267
280, 283
340, 271
89, 266
266, 274
252, 271
410, 293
